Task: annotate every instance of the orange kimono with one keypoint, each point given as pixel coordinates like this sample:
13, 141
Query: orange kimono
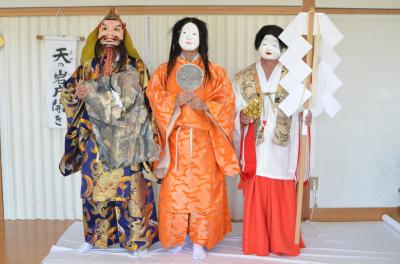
198, 153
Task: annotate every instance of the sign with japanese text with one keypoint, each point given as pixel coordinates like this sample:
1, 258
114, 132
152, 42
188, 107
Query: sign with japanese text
59, 62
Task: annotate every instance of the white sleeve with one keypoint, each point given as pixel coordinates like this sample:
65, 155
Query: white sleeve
240, 104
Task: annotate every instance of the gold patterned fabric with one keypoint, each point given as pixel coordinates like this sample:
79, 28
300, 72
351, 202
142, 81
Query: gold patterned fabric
120, 119
118, 204
250, 89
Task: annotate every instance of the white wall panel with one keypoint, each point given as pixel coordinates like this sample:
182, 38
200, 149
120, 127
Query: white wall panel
358, 151
390, 4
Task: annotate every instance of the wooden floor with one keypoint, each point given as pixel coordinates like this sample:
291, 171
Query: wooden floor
29, 241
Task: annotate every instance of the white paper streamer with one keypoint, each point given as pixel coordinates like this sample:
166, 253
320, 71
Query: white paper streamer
326, 80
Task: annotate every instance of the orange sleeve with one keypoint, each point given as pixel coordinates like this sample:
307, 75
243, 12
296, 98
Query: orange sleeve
161, 101
221, 102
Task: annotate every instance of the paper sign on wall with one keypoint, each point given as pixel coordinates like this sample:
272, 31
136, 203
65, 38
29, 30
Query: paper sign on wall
59, 61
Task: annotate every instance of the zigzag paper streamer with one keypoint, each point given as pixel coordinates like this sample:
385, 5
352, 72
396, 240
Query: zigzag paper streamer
326, 81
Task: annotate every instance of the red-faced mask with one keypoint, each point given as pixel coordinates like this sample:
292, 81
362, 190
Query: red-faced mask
111, 32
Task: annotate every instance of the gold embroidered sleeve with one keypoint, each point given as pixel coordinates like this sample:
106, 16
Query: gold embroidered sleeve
254, 107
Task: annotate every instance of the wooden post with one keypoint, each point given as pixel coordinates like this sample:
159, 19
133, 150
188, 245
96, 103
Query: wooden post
308, 4
1, 190
304, 138
306, 210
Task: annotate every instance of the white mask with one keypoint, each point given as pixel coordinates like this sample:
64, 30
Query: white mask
269, 48
189, 39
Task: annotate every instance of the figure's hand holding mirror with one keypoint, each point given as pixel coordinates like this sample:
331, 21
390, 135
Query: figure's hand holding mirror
189, 78
183, 98
196, 103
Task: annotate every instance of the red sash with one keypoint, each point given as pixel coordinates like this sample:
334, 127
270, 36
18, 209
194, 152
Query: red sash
248, 156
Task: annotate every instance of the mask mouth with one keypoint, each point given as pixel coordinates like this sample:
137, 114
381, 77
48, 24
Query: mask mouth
188, 42
268, 53
110, 40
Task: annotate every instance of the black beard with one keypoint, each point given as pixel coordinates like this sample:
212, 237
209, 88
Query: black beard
118, 53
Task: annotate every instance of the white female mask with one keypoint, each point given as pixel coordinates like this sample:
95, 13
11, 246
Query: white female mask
269, 48
189, 39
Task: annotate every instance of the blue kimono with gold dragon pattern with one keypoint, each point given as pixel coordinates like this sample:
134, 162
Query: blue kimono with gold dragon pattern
118, 203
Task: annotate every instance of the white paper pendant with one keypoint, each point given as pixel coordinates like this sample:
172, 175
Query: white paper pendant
326, 82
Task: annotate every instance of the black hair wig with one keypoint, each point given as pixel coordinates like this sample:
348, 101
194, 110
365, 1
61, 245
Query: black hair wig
269, 30
176, 49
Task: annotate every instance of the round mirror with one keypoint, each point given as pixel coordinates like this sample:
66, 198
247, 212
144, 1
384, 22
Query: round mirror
189, 77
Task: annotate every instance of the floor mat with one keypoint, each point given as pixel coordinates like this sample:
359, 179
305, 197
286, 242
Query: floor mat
326, 242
